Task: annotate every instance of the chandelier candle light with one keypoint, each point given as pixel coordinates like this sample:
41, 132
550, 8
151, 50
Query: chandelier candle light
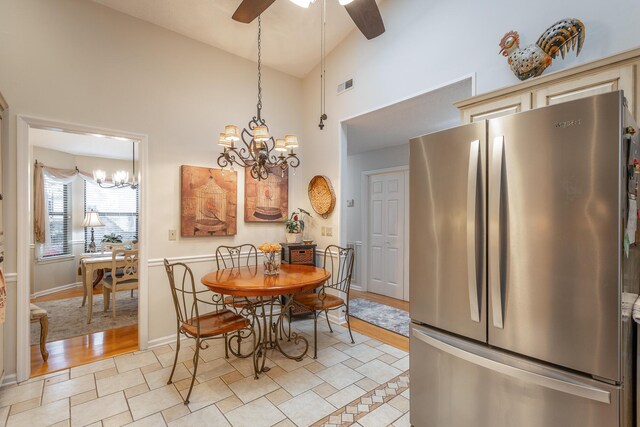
119, 179
258, 150
271, 258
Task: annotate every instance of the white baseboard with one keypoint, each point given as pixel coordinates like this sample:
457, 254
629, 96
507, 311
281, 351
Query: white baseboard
54, 290
357, 287
159, 342
8, 380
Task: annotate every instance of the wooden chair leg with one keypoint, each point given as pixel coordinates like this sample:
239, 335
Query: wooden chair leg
106, 298
44, 331
114, 302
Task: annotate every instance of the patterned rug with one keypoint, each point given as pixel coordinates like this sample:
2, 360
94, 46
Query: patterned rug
68, 319
384, 316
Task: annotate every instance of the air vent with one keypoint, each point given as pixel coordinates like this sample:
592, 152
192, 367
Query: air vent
344, 86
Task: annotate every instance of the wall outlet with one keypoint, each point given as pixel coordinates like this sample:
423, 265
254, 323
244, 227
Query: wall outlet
329, 231
172, 235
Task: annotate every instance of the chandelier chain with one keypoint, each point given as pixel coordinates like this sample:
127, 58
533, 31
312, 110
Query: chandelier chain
259, 67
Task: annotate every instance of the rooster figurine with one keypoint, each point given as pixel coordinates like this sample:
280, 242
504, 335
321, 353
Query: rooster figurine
563, 36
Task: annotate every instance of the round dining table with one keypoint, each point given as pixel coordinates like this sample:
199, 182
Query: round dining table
255, 294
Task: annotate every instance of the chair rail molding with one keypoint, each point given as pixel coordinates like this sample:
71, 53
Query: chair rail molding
24, 190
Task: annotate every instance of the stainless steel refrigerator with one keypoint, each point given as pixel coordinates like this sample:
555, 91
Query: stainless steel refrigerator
523, 267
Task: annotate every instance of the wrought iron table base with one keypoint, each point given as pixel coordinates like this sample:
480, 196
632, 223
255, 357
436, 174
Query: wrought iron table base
267, 331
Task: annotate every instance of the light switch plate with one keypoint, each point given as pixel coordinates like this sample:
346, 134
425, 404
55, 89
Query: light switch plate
172, 234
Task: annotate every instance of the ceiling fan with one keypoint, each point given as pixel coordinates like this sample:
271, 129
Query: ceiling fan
365, 13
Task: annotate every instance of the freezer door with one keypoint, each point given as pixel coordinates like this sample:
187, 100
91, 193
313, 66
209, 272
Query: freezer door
447, 208
554, 219
460, 383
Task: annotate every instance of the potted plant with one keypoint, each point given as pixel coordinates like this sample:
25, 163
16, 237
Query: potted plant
295, 225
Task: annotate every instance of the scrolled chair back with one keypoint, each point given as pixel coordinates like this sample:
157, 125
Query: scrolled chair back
128, 271
338, 261
187, 300
236, 256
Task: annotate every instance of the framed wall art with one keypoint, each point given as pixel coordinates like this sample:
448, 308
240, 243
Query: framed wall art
208, 202
266, 200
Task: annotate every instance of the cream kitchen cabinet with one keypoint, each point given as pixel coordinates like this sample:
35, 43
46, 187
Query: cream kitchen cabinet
498, 108
618, 72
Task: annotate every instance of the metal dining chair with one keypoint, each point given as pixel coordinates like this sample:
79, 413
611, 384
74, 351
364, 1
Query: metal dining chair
214, 323
244, 255
234, 257
341, 270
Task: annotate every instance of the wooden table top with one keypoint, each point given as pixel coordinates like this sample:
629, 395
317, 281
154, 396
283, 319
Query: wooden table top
252, 282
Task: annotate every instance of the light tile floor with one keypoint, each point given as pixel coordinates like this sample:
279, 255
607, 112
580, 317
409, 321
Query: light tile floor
363, 384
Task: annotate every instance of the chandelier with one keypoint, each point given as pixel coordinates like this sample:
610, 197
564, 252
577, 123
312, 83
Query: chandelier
119, 179
254, 147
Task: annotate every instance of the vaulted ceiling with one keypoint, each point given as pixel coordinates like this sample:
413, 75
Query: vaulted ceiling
290, 36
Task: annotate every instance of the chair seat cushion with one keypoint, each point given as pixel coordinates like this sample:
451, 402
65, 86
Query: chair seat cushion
318, 302
216, 323
121, 285
37, 312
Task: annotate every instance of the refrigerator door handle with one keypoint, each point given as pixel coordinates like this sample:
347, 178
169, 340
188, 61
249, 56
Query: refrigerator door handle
573, 388
495, 193
472, 211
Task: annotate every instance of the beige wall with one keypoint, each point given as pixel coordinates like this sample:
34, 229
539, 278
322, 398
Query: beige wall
78, 62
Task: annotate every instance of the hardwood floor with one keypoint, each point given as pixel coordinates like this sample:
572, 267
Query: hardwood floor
388, 337
83, 349
67, 293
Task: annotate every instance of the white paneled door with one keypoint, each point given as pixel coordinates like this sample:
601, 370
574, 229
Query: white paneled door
386, 234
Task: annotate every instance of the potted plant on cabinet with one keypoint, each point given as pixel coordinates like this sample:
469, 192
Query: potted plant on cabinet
295, 225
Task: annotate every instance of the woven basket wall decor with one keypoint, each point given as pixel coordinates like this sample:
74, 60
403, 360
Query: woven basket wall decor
321, 195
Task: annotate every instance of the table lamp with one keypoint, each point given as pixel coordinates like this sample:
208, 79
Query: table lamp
91, 219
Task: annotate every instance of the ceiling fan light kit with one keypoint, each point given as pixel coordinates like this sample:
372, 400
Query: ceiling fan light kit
364, 13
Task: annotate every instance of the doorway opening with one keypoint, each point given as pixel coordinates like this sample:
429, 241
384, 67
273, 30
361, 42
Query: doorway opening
82, 273
375, 184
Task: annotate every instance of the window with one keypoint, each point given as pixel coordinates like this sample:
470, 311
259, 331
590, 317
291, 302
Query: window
118, 211
58, 198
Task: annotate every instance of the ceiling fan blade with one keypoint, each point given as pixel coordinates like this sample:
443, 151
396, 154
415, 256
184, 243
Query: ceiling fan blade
250, 10
366, 15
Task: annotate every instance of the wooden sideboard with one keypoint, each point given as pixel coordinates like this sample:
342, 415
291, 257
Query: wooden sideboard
617, 72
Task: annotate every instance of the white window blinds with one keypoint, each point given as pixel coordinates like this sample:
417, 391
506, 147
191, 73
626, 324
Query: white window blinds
118, 211
58, 199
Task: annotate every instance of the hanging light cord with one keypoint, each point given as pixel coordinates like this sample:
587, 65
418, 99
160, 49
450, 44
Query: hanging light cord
323, 71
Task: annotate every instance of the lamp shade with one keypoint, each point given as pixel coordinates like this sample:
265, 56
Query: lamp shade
91, 219
224, 141
291, 141
260, 133
281, 145
232, 133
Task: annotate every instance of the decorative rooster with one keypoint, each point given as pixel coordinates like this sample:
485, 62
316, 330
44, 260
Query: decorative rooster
563, 36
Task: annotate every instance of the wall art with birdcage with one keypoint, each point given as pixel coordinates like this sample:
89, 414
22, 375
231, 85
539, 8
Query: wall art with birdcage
266, 200
209, 202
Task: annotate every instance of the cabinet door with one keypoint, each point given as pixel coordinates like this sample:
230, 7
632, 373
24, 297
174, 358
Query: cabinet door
502, 107
620, 78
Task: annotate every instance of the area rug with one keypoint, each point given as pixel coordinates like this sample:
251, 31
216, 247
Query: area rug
68, 319
384, 316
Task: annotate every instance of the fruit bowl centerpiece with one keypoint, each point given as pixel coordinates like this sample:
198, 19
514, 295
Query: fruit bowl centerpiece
271, 253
